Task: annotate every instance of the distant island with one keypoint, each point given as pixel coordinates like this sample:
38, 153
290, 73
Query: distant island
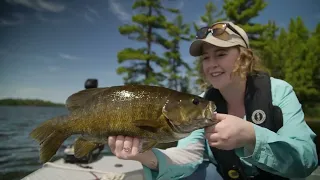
27, 102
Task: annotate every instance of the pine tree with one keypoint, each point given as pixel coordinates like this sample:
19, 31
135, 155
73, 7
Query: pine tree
314, 44
211, 16
301, 64
312, 61
241, 12
178, 31
312, 106
145, 28
271, 54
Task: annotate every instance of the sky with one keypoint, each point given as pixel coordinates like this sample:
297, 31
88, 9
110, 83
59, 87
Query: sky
48, 48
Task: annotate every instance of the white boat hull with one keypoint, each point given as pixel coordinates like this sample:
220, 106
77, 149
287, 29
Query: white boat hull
108, 167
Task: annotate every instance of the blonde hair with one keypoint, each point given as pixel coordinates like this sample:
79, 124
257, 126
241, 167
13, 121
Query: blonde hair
247, 63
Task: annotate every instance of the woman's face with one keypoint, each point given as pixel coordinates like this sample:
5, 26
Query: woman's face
218, 64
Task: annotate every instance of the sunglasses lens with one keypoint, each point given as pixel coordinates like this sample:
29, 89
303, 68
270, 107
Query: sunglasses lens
219, 26
218, 31
202, 33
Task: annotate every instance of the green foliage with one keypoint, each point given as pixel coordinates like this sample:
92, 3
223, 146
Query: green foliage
211, 15
314, 53
294, 55
177, 31
143, 61
144, 28
302, 64
241, 12
272, 54
27, 102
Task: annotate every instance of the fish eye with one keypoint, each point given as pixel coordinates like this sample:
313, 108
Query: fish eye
195, 101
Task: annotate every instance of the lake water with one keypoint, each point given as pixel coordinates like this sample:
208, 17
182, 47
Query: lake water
19, 154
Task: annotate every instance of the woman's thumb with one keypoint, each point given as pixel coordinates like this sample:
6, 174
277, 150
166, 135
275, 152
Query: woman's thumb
219, 116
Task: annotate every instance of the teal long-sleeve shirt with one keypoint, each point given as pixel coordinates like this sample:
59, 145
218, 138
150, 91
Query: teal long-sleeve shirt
290, 152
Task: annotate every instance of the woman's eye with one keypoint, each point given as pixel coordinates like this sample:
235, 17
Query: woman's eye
221, 54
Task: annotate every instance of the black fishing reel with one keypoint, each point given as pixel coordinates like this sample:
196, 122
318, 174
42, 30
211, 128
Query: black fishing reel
89, 158
91, 83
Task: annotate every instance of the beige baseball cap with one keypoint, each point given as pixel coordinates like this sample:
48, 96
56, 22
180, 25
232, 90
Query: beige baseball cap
234, 40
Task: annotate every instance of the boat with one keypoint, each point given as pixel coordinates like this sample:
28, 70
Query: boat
104, 168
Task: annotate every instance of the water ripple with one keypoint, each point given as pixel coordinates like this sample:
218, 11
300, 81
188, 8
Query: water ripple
19, 154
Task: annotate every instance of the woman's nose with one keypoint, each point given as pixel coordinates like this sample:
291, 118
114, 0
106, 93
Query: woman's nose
212, 62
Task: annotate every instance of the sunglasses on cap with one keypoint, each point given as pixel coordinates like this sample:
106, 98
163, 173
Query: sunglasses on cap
219, 31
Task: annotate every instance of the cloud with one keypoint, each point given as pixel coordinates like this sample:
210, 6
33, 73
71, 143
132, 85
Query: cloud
91, 15
40, 5
54, 68
68, 57
16, 19
87, 13
43, 18
93, 12
88, 17
118, 10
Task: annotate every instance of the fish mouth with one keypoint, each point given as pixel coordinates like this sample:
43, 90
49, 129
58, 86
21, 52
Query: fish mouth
192, 126
202, 121
173, 126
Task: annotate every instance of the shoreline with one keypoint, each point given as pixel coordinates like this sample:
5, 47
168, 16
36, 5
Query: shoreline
29, 102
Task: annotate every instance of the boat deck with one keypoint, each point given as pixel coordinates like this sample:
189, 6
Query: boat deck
107, 167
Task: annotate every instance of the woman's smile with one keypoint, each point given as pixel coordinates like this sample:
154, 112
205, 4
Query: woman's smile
216, 74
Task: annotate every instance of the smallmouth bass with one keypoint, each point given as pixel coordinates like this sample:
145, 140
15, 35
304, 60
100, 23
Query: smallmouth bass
152, 113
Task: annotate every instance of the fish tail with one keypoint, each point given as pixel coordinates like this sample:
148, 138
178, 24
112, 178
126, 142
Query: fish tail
50, 136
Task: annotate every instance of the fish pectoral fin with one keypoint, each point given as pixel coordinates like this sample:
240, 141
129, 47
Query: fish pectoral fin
83, 147
148, 125
147, 145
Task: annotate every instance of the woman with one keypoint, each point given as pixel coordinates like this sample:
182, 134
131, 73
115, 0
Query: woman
227, 62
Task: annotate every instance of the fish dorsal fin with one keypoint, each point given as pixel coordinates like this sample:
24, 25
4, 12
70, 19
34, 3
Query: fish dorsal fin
80, 98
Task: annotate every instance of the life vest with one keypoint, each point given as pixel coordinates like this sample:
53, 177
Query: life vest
259, 110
